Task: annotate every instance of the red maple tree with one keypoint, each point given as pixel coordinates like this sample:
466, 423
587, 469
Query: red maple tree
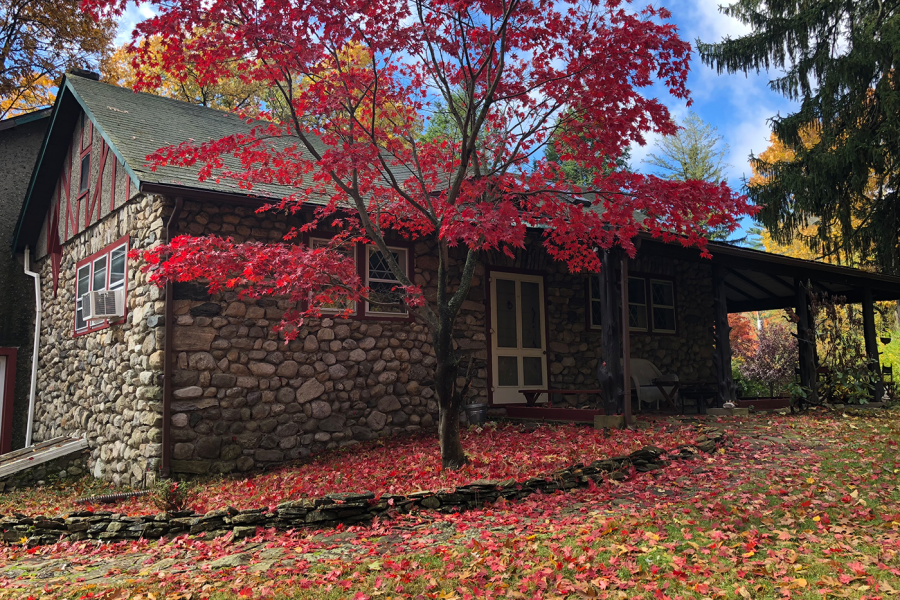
514, 75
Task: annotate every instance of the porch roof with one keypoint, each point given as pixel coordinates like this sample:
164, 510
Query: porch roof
757, 280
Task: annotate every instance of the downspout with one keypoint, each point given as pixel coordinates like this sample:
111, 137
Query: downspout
165, 468
37, 340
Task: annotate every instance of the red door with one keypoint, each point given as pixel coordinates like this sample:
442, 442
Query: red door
7, 387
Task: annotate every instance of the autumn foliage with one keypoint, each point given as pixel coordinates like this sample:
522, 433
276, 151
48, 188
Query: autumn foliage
357, 83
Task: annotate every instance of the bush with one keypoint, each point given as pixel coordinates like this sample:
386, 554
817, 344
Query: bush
772, 361
169, 495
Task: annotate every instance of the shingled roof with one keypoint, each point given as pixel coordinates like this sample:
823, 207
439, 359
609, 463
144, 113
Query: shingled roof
134, 124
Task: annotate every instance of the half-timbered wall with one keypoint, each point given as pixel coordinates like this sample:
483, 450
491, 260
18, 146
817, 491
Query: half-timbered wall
77, 205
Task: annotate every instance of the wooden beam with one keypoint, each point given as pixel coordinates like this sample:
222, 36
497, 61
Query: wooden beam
738, 291
806, 341
868, 307
609, 368
747, 280
722, 357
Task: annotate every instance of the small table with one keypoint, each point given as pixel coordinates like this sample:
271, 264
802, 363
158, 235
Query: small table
662, 383
701, 391
531, 396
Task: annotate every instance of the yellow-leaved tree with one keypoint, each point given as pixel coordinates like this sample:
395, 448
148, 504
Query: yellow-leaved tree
39, 41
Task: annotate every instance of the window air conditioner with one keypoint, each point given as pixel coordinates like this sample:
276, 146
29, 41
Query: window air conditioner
106, 304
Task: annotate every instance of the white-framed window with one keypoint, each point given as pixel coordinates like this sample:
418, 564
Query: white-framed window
335, 307
662, 305
594, 306
381, 281
637, 304
105, 270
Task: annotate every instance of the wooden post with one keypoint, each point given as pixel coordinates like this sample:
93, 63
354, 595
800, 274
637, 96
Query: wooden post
870, 336
722, 357
609, 368
626, 344
806, 341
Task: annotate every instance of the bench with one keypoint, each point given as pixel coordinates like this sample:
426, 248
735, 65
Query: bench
531, 396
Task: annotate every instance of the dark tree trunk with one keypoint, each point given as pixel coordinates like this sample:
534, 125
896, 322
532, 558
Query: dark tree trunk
806, 344
450, 401
872, 343
609, 369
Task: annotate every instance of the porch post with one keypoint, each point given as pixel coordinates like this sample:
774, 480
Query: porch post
626, 344
609, 368
722, 357
868, 307
806, 341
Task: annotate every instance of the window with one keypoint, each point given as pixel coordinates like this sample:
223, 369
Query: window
637, 304
85, 180
335, 307
381, 281
662, 298
105, 270
656, 315
594, 312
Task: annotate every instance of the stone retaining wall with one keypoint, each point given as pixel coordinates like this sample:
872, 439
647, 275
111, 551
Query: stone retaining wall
334, 509
106, 385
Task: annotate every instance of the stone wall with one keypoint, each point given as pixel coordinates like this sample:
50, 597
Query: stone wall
106, 384
244, 398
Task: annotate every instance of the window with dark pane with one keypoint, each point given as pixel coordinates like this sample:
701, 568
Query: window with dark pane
532, 336
594, 306
348, 250
83, 286
507, 330
383, 298
117, 268
662, 296
85, 180
637, 303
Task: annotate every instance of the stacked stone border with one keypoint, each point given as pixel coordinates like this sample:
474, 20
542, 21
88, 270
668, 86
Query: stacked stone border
336, 509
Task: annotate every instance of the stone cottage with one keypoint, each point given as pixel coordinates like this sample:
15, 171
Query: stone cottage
188, 383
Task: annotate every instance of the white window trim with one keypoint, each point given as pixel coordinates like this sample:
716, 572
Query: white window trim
78, 299
591, 300
654, 305
643, 280
404, 252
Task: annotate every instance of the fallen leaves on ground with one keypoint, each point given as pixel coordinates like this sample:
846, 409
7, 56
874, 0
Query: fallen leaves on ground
799, 507
391, 466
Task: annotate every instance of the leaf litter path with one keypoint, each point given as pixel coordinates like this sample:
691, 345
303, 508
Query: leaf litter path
797, 507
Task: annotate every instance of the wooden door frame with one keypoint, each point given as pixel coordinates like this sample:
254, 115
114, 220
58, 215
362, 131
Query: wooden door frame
489, 270
8, 399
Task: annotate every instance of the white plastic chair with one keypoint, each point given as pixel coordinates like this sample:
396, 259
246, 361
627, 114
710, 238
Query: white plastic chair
643, 372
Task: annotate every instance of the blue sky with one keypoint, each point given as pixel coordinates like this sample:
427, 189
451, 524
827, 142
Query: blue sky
737, 105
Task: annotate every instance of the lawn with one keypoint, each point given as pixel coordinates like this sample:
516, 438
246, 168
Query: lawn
394, 466
798, 507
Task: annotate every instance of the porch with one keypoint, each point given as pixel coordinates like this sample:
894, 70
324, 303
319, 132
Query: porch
550, 331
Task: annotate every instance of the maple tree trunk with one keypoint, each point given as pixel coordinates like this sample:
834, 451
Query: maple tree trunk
452, 454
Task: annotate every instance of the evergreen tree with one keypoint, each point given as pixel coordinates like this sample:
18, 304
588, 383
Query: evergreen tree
838, 59
696, 152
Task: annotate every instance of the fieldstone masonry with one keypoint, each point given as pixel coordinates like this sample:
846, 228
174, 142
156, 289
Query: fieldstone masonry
245, 398
106, 385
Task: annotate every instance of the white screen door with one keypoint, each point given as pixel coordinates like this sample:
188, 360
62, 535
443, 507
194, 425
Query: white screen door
518, 344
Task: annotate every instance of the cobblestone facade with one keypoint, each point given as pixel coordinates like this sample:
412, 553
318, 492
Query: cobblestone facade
105, 385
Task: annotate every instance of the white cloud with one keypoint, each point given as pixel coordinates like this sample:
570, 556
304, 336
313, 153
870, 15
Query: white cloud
133, 15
